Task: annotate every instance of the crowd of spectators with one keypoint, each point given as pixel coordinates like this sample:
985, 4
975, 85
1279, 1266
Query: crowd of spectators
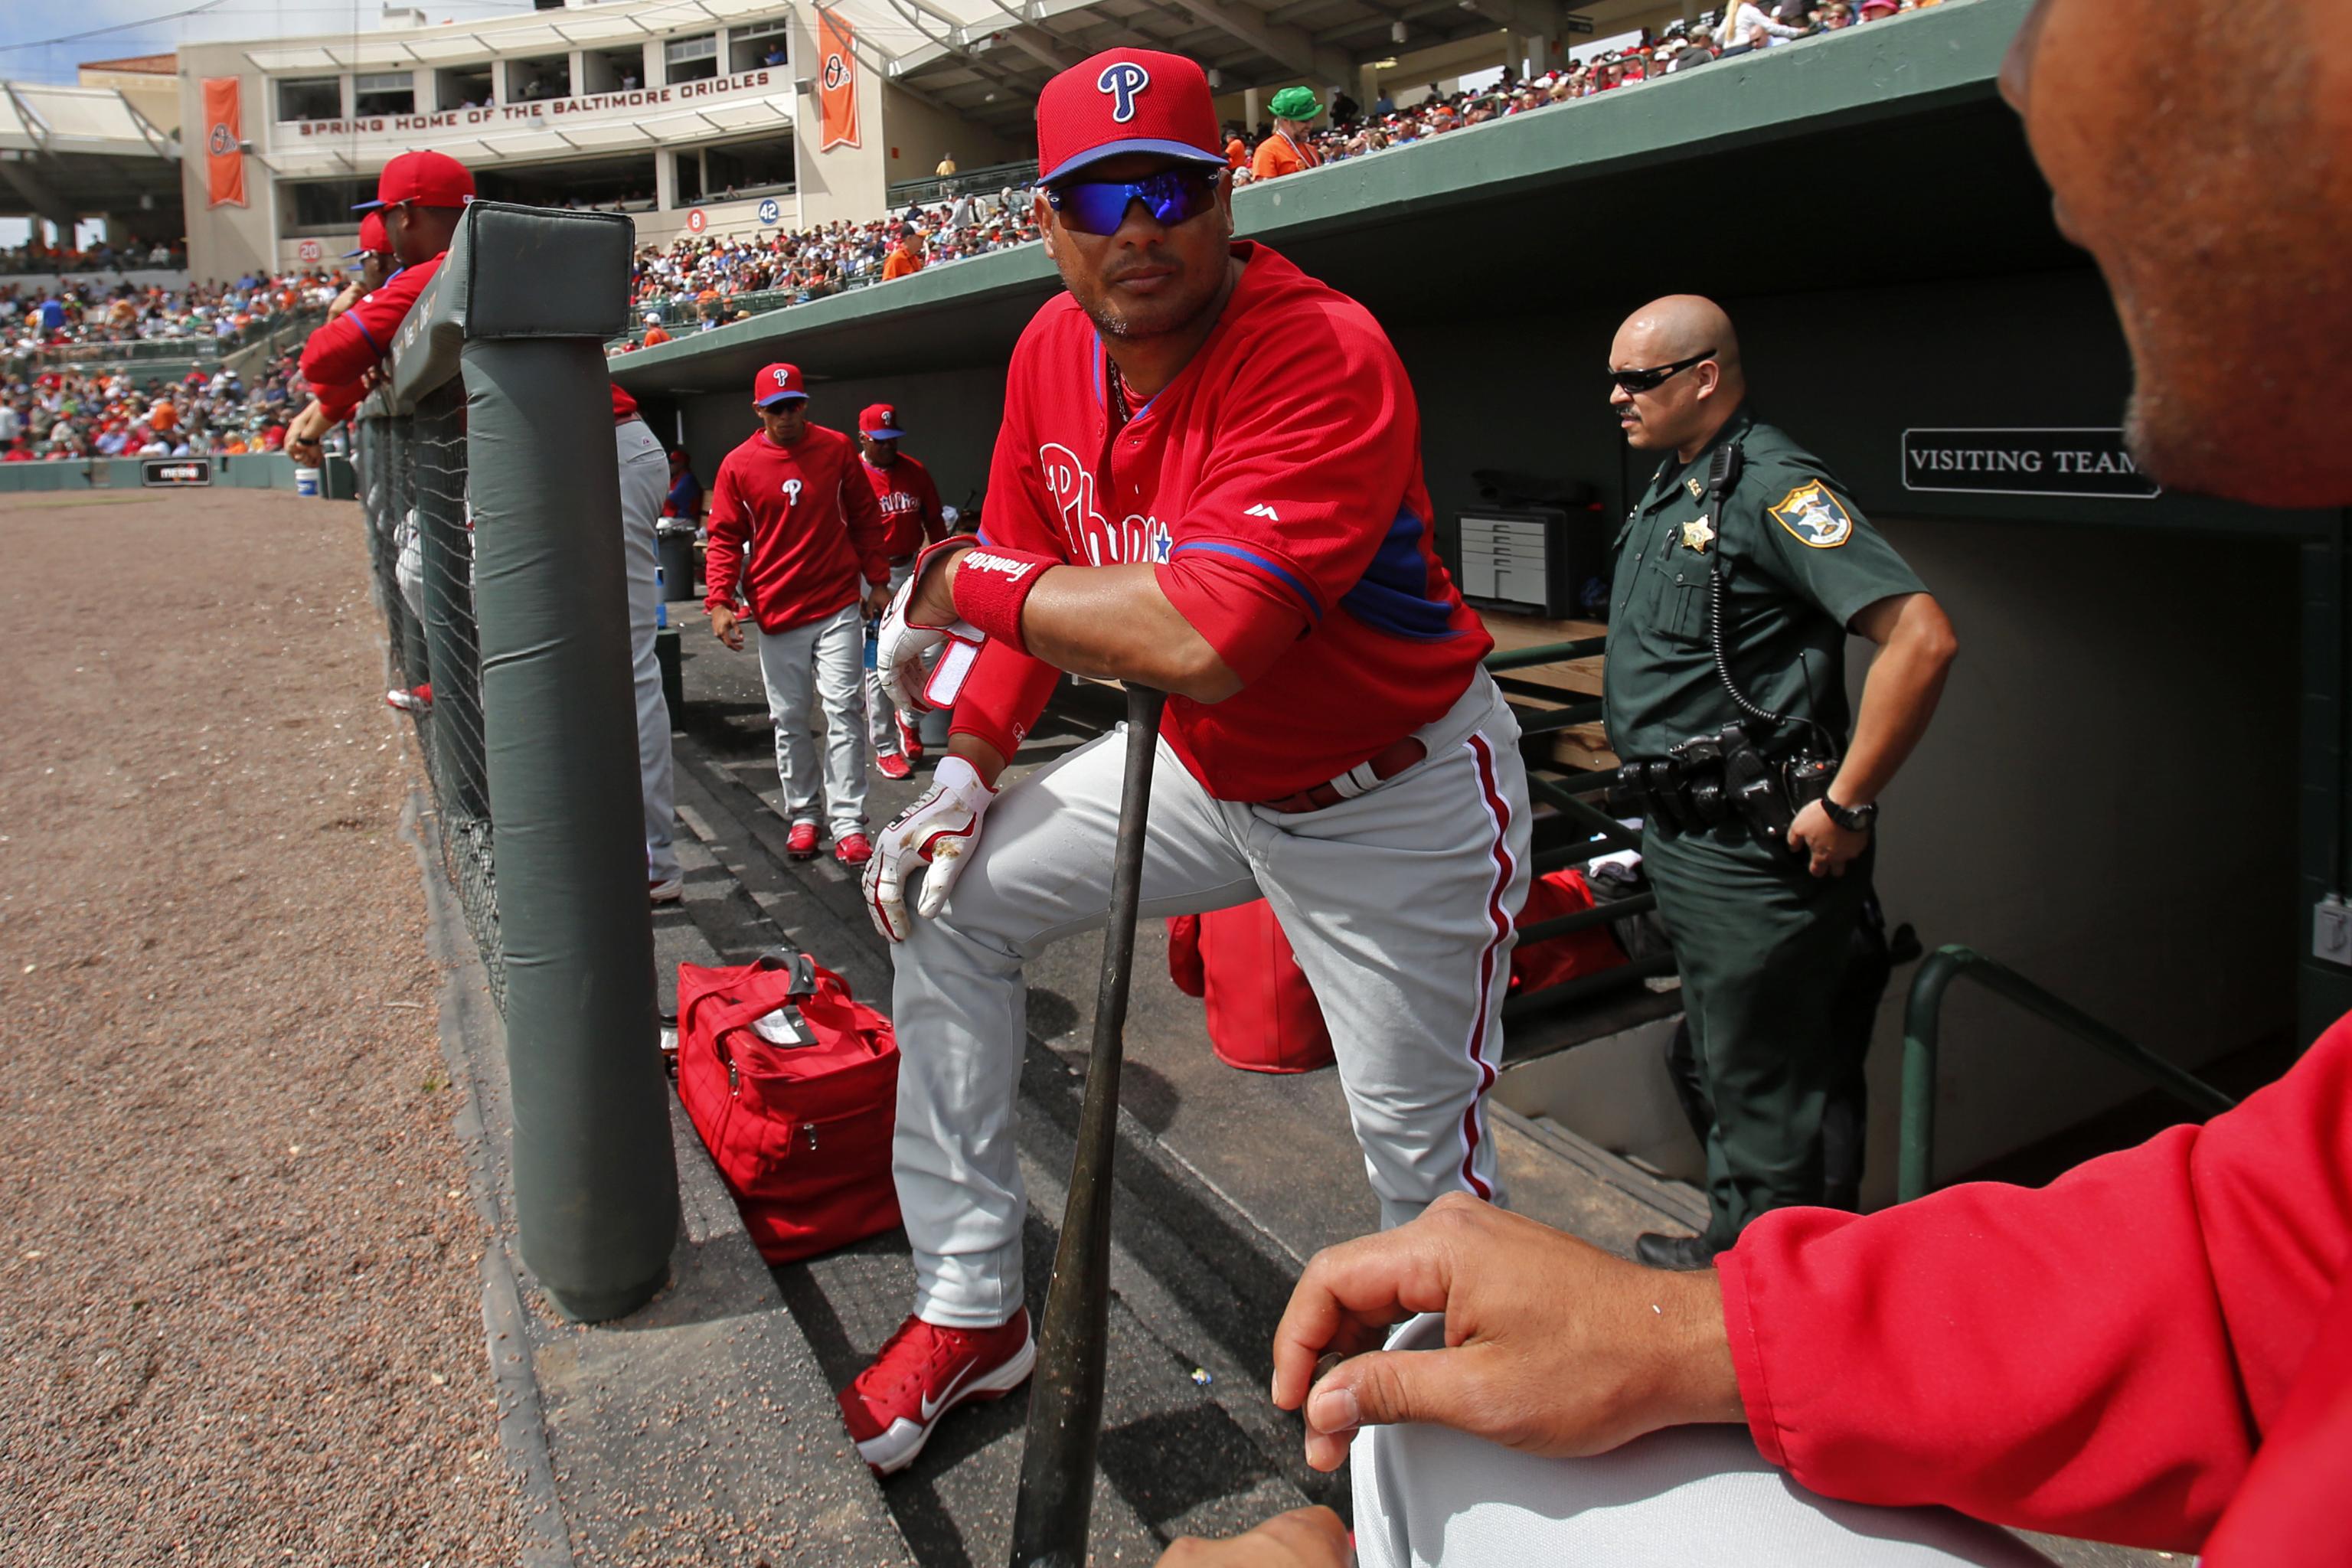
1742, 27
62, 415
99, 257
696, 284
42, 316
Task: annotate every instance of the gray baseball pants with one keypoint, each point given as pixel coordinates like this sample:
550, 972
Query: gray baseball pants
1399, 902
644, 482
825, 659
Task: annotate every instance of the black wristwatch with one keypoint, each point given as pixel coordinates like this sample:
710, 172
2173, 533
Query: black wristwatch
1853, 818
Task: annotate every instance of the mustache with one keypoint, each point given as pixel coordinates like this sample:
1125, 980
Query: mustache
1150, 261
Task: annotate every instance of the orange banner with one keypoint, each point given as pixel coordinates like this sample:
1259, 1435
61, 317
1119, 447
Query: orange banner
223, 130
836, 82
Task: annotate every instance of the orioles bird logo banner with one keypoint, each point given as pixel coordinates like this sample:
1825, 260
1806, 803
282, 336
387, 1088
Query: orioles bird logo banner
836, 84
224, 133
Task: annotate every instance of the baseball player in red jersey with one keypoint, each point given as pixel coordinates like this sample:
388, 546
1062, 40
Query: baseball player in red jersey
912, 518
1208, 479
793, 521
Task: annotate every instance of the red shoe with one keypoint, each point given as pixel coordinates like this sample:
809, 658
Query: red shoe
891, 765
801, 845
922, 1372
910, 740
417, 701
853, 849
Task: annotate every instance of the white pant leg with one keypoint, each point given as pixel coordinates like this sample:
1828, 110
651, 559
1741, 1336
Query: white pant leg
645, 481
1429, 1495
1400, 905
786, 668
1041, 872
839, 656
881, 718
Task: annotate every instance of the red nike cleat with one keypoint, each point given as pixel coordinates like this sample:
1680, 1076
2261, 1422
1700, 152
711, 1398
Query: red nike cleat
801, 845
910, 740
417, 701
922, 1372
891, 765
853, 849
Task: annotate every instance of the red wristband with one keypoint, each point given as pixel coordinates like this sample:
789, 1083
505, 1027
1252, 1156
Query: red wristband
992, 583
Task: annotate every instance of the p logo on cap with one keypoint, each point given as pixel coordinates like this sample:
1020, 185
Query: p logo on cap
776, 382
1123, 79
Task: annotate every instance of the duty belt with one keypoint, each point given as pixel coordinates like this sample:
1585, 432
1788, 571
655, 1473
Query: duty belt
1382, 766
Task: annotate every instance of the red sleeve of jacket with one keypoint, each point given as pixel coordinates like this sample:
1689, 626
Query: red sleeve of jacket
863, 515
730, 529
352, 344
339, 402
2099, 1357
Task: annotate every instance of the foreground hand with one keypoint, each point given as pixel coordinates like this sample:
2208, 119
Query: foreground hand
1553, 1346
303, 435
1303, 1538
727, 627
938, 830
351, 294
876, 600
1829, 846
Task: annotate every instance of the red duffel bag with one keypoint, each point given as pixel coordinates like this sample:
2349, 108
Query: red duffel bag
800, 1131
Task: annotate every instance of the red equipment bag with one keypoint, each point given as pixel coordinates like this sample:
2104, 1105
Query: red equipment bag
1536, 967
1263, 1015
801, 1133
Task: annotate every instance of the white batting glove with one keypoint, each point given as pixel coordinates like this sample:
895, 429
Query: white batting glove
907, 654
938, 831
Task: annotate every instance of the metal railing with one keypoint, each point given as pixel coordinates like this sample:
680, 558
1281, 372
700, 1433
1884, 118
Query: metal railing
1922, 1042
988, 180
128, 353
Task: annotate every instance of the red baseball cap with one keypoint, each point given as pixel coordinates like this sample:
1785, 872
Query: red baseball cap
774, 383
428, 179
372, 240
880, 420
1126, 100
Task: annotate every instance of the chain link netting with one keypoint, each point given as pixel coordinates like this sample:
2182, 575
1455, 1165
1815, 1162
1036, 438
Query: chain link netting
420, 541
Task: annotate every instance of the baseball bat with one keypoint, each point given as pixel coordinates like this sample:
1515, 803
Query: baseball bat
1065, 1393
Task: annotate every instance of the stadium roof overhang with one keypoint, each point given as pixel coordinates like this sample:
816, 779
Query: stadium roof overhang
985, 59
72, 151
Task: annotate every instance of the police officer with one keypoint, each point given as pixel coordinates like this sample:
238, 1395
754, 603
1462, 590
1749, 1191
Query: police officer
1760, 906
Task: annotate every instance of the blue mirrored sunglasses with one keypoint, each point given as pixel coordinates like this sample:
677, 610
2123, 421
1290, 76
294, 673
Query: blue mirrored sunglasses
1100, 206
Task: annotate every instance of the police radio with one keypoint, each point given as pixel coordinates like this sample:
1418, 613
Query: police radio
1724, 777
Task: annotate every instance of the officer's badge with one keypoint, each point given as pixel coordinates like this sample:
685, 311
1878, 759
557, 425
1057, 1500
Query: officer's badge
1696, 533
1697, 488
1814, 516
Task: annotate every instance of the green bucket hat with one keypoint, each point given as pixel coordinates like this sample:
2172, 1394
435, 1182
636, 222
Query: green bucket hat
1296, 103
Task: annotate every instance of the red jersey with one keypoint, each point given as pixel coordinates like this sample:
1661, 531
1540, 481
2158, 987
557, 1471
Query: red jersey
911, 506
813, 529
2155, 1349
355, 343
625, 407
1275, 484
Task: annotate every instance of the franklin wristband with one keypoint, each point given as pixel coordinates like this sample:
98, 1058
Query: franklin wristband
992, 583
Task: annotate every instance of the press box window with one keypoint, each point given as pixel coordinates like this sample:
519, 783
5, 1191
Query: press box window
690, 59
388, 92
749, 48
310, 97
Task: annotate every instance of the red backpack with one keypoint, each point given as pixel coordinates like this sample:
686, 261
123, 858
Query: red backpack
801, 1132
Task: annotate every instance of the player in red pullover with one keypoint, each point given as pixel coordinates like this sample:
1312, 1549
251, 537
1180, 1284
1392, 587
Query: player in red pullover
912, 518
792, 519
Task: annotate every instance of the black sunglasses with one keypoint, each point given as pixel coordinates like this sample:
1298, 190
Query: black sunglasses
1099, 206
1651, 379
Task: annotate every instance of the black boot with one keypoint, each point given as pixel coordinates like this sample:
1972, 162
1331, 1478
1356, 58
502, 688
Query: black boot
1684, 1252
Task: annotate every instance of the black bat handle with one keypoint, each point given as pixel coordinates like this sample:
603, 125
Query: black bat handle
1066, 1395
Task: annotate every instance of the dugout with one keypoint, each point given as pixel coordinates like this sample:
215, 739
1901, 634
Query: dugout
2135, 791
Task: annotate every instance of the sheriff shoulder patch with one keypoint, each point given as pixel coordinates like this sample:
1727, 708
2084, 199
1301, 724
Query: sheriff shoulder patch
1814, 516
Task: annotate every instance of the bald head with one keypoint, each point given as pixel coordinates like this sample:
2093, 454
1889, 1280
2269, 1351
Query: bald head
1692, 337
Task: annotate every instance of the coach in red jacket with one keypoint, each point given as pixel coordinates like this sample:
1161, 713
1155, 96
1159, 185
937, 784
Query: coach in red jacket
793, 524
912, 518
2157, 1348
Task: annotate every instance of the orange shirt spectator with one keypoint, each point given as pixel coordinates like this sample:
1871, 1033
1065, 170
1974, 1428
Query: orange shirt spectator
900, 264
1237, 156
162, 418
653, 334
1278, 155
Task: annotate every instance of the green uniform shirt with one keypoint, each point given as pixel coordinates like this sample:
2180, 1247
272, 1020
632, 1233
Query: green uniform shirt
1800, 563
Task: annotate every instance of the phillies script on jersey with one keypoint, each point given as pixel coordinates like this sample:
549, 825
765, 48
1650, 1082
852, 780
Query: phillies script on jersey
911, 517
1275, 486
811, 526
